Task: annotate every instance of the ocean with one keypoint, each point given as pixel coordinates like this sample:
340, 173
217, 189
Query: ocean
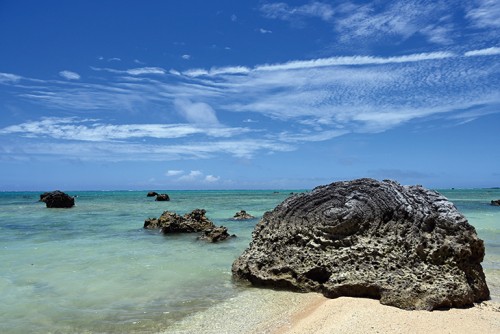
94, 269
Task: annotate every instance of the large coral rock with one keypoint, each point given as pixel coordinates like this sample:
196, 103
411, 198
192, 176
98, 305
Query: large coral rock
407, 246
57, 199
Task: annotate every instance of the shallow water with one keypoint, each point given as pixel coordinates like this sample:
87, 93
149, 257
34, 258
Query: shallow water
93, 268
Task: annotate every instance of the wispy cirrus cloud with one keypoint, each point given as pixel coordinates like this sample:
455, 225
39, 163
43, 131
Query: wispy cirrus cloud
92, 130
484, 13
9, 77
483, 52
294, 102
283, 11
69, 75
371, 22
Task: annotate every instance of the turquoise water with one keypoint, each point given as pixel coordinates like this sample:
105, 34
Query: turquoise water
94, 269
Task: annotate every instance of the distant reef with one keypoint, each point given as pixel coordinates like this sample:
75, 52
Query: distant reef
57, 199
407, 246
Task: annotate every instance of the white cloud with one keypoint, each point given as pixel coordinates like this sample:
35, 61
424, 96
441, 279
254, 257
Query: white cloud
146, 70
485, 13
354, 60
186, 57
283, 11
174, 172
234, 18
211, 178
265, 31
8, 77
192, 176
295, 102
196, 112
92, 130
69, 75
483, 52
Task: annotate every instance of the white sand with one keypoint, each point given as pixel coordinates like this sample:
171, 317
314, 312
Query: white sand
358, 315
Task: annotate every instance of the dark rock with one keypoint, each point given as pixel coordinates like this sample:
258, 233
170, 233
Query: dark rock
405, 245
170, 222
242, 215
162, 197
215, 234
57, 199
495, 202
152, 194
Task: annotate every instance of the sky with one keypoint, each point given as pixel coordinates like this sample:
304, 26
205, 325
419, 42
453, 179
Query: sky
194, 94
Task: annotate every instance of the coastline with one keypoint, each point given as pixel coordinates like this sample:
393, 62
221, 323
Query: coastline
362, 315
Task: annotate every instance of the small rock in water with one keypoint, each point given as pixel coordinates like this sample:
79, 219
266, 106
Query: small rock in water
242, 215
57, 199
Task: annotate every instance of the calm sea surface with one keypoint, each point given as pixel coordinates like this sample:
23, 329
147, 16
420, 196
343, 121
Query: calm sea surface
94, 269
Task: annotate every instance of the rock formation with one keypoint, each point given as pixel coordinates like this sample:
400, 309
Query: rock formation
242, 215
152, 194
495, 202
196, 221
215, 234
170, 222
405, 245
162, 197
57, 199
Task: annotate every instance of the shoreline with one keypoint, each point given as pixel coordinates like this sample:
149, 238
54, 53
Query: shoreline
362, 315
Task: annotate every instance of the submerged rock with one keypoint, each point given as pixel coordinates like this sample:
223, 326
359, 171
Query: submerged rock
215, 234
57, 199
242, 215
495, 202
405, 245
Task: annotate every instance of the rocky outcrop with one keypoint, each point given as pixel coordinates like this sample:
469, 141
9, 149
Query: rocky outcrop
495, 202
57, 199
195, 221
159, 197
215, 234
242, 215
405, 245
170, 222
162, 197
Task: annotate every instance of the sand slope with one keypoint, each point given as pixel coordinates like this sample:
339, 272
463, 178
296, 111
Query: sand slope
358, 315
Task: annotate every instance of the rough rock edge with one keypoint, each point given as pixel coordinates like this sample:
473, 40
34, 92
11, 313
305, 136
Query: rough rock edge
343, 240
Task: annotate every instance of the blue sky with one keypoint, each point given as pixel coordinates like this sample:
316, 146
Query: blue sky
248, 94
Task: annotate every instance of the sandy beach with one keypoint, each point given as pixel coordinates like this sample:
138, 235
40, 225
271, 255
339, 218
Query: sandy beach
359, 315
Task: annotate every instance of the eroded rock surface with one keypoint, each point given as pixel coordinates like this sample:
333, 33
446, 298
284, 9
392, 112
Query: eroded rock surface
495, 202
407, 246
215, 234
170, 222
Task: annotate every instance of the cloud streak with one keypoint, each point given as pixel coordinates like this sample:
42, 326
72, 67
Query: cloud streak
291, 103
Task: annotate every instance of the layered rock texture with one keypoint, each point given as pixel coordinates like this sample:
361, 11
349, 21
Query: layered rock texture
57, 199
407, 246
